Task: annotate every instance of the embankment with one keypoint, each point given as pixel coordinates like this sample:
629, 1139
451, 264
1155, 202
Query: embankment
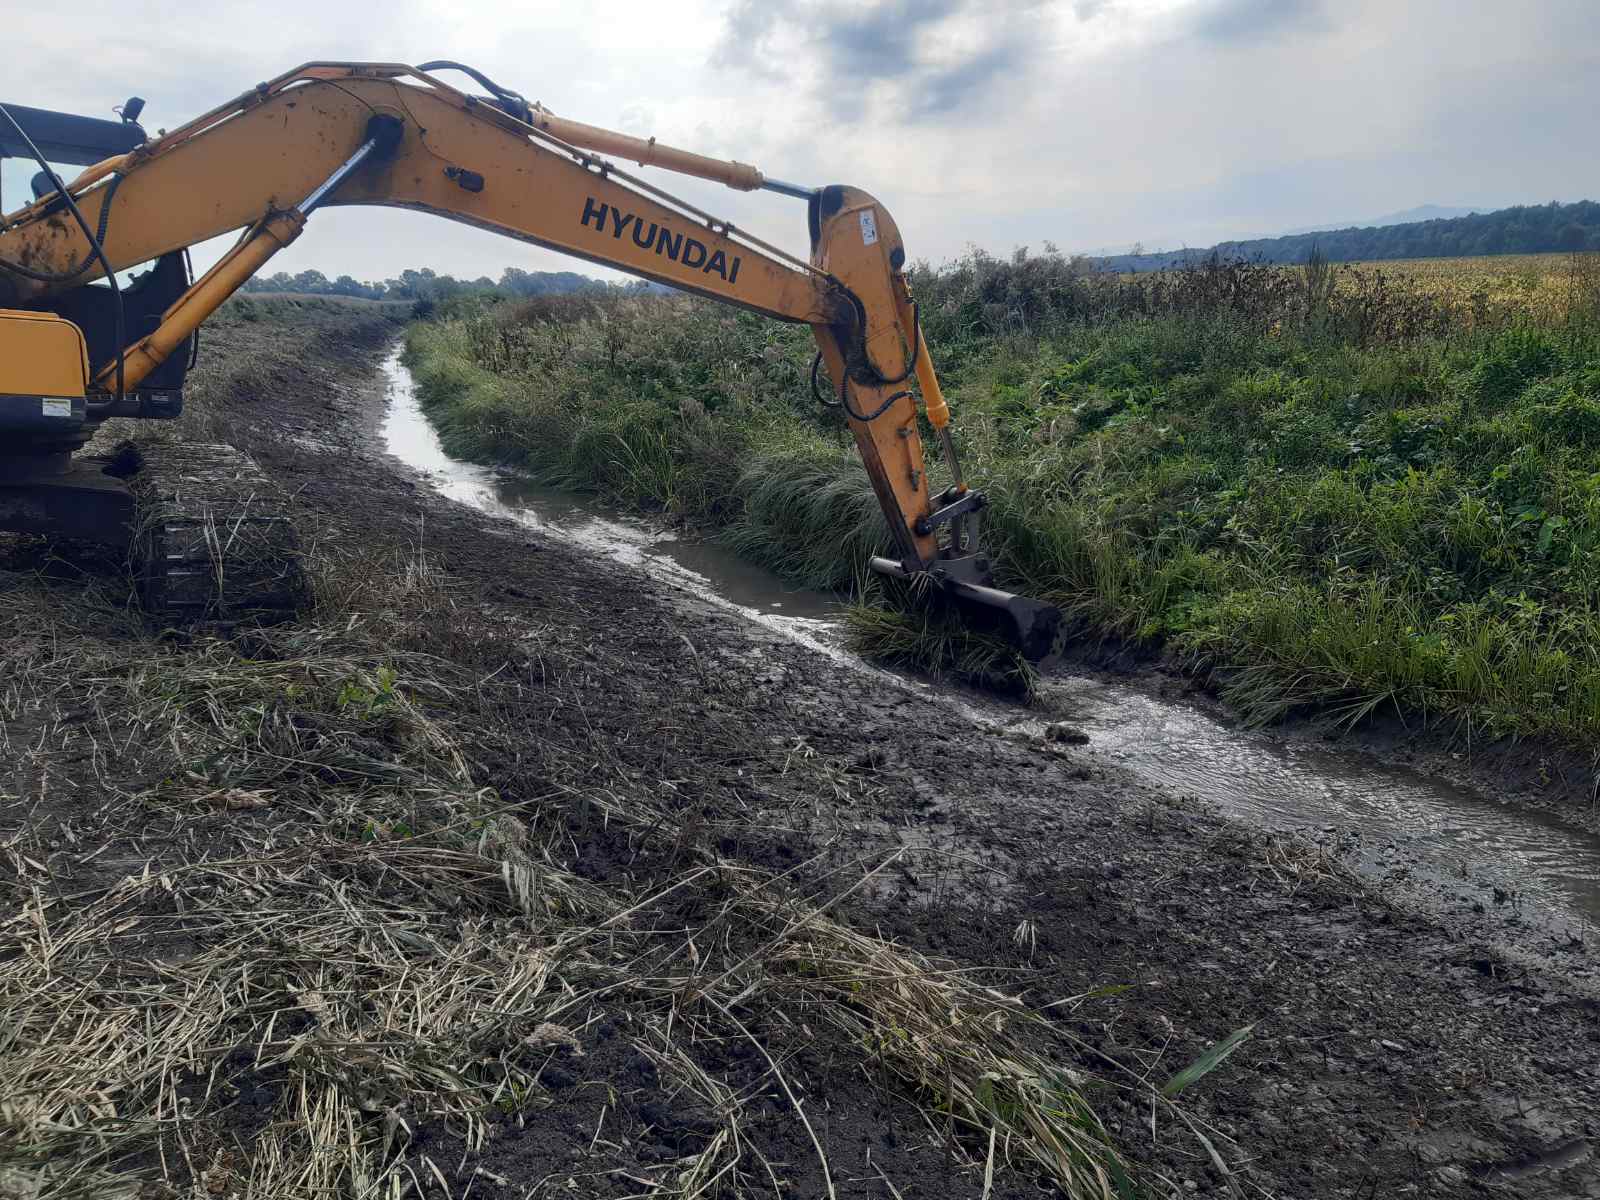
1346, 500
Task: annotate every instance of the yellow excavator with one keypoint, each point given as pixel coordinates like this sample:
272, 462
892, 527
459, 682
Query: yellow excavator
77, 346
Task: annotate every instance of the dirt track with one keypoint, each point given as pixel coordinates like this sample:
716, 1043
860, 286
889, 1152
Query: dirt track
1391, 1055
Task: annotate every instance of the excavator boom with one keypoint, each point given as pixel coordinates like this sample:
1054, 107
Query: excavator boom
387, 134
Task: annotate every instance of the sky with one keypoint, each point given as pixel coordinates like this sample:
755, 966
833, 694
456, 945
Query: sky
1086, 124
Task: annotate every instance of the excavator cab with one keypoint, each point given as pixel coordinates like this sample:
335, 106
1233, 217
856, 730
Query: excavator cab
44, 360
45, 356
144, 299
49, 404
68, 139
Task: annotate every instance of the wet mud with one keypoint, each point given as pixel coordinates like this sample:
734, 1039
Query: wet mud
1397, 1048
1417, 957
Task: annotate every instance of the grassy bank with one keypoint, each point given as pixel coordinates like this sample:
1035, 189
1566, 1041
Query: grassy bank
1334, 488
660, 404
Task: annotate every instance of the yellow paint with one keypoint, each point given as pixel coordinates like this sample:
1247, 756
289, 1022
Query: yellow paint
648, 152
933, 401
226, 171
203, 298
42, 354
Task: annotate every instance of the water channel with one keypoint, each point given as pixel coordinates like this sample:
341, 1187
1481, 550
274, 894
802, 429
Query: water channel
1463, 844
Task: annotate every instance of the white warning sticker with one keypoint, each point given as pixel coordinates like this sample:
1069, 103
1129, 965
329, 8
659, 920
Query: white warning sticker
869, 227
57, 406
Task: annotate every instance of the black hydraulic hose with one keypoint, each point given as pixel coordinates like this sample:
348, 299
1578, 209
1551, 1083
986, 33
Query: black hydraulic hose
816, 392
95, 242
513, 98
82, 264
916, 345
844, 399
844, 396
844, 386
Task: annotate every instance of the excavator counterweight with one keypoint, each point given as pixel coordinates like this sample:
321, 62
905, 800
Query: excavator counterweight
388, 134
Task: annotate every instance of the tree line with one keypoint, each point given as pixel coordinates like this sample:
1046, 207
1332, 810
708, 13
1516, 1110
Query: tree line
1525, 229
423, 285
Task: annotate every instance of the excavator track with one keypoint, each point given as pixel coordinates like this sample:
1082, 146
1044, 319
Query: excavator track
211, 542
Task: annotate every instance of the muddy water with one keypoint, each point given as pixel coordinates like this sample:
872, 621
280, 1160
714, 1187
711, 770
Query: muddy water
697, 566
1462, 845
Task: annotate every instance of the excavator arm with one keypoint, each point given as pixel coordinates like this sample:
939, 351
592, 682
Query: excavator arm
386, 134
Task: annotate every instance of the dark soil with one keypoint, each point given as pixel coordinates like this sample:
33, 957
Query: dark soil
1391, 1055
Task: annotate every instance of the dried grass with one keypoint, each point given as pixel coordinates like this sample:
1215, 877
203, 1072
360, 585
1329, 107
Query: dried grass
309, 885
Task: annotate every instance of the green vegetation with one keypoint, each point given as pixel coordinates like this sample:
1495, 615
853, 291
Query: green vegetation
1523, 229
425, 286
659, 403
1329, 493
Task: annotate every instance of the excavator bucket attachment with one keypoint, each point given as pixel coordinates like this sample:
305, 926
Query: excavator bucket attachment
1033, 627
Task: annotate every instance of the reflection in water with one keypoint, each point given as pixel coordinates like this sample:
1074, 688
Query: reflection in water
1171, 744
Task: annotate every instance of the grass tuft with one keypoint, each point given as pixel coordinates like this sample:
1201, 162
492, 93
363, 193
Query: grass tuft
928, 637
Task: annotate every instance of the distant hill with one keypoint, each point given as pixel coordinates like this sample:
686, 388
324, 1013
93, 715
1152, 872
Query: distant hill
1410, 216
1526, 229
1169, 245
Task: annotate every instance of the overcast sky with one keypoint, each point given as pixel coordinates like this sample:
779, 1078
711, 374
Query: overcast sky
1087, 123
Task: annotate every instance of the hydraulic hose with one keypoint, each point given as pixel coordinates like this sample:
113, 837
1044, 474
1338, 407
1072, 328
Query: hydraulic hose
96, 247
513, 100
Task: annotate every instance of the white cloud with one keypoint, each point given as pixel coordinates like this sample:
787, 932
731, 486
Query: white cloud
1085, 122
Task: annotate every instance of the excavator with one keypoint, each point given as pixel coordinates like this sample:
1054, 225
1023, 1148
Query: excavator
79, 346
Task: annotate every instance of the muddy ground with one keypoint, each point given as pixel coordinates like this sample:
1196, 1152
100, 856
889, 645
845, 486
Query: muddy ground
1392, 1053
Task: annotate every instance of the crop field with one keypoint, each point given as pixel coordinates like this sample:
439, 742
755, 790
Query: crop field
1545, 286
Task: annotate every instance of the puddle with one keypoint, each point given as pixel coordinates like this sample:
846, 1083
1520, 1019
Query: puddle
1397, 817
